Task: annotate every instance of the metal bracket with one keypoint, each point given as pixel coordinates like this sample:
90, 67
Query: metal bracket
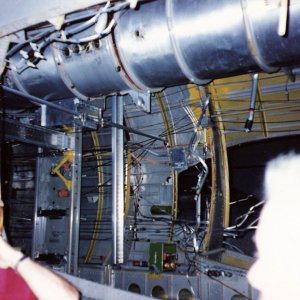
36, 135
178, 159
68, 157
90, 115
142, 100
86, 115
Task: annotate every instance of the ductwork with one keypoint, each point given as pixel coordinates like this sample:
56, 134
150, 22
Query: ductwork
164, 43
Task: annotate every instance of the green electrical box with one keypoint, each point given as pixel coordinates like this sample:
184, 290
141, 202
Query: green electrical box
162, 257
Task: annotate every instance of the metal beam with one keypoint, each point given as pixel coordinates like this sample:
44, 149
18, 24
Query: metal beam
40, 101
36, 135
72, 266
118, 180
219, 210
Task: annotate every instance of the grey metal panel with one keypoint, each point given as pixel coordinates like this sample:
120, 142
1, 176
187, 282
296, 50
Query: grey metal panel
58, 234
89, 210
133, 277
215, 291
201, 286
50, 235
161, 281
36, 135
153, 177
21, 194
91, 290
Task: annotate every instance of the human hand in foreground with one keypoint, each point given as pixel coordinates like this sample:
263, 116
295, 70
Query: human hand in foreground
44, 283
8, 255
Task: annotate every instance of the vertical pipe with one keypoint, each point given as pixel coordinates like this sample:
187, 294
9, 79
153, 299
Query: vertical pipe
283, 17
118, 181
198, 210
73, 245
39, 224
201, 180
250, 119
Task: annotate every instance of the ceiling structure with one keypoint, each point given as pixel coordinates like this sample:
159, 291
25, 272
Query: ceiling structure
276, 110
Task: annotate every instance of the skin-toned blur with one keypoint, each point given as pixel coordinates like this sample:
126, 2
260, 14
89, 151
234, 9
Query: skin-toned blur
41, 283
276, 272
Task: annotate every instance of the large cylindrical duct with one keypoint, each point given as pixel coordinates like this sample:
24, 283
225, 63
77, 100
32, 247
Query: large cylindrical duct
167, 42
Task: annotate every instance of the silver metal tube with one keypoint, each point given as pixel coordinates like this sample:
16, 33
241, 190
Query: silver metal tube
117, 181
198, 211
73, 245
39, 101
138, 132
201, 179
249, 121
198, 41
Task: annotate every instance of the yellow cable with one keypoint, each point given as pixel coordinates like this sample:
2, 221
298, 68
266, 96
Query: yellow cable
213, 199
68, 157
224, 158
127, 191
225, 177
171, 143
170, 138
100, 197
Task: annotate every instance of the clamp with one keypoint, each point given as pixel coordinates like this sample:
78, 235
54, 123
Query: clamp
68, 157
